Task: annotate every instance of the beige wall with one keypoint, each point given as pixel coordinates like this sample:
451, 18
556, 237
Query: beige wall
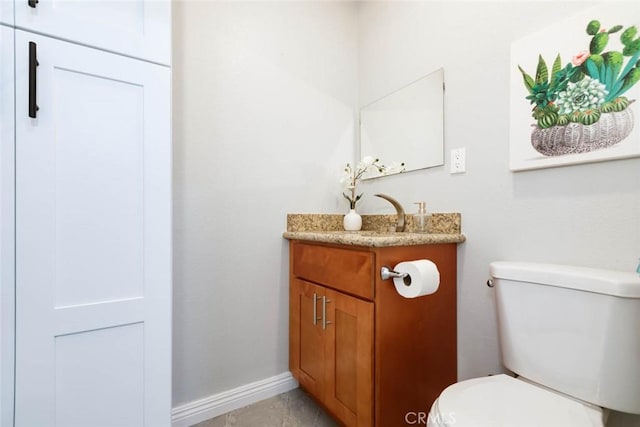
264, 95
583, 215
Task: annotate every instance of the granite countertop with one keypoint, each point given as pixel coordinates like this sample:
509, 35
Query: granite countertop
327, 228
373, 239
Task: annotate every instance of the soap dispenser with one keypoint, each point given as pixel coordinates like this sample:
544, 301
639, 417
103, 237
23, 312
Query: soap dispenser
421, 218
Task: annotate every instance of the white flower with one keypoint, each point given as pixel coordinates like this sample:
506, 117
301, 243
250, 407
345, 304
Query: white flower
351, 176
395, 167
367, 162
347, 179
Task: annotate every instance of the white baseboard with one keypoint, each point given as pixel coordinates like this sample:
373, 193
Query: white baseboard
200, 410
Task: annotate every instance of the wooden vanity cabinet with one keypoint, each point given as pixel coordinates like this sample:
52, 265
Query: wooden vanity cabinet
368, 355
335, 355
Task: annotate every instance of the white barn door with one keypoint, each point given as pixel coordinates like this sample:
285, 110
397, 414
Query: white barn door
93, 238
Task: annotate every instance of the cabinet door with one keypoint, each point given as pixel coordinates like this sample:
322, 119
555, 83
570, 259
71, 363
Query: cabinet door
307, 340
138, 28
6, 12
349, 358
93, 239
7, 279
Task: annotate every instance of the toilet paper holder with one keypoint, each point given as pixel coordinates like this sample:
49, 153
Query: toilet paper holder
387, 273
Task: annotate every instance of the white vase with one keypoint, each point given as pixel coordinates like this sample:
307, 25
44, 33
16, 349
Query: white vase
352, 221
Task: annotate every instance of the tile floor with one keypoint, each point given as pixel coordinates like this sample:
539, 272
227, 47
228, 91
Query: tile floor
292, 409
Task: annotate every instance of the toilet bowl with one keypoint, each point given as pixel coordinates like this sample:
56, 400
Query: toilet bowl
569, 333
503, 401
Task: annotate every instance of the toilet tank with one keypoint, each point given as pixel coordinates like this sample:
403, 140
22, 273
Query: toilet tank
573, 329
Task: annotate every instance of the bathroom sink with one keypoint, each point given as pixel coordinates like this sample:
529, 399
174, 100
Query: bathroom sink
374, 233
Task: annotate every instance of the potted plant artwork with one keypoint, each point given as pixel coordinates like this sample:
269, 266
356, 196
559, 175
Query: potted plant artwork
581, 106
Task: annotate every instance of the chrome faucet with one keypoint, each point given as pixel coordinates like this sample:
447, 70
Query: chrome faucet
400, 224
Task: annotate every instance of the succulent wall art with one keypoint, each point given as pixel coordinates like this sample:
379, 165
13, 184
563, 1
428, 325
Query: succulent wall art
581, 103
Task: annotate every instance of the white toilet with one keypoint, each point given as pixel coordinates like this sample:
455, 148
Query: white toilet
572, 337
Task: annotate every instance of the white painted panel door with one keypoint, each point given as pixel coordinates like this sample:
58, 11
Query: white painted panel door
93, 239
138, 28
6, 12
7, 283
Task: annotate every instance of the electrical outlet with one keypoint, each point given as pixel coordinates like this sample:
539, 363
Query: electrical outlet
458, 160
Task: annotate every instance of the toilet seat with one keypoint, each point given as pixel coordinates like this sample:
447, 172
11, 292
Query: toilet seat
503, 401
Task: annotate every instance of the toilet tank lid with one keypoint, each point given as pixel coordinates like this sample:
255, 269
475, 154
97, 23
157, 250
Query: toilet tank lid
625, 284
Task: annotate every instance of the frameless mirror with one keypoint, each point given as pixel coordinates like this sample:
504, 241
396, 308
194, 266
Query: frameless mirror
406, 126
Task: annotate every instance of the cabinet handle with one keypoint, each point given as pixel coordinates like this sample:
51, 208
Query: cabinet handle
325, 322
33, 64
32, 3
315, 308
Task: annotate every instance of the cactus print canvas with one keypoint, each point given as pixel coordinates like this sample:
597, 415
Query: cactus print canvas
575, 90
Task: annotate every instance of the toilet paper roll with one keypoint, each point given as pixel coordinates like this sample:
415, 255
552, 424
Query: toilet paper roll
423, 278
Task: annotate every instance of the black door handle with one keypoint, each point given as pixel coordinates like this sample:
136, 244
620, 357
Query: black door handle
33, 64
32, 3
